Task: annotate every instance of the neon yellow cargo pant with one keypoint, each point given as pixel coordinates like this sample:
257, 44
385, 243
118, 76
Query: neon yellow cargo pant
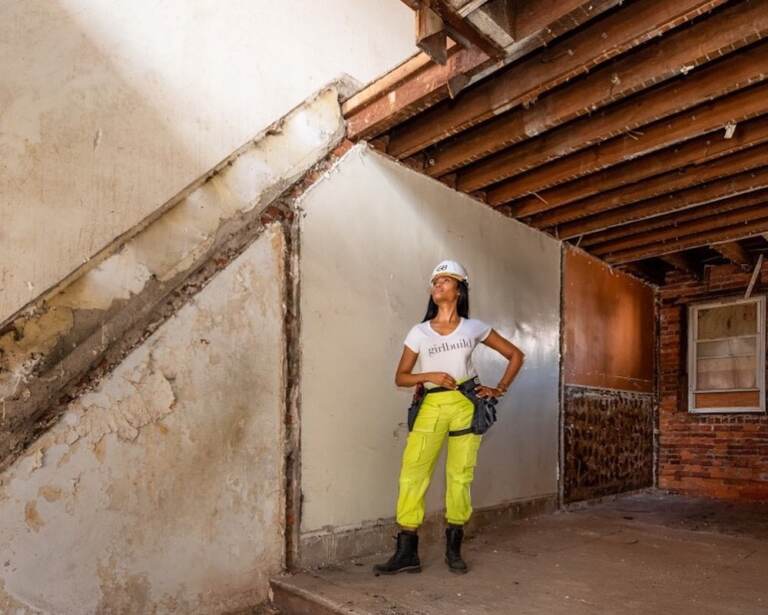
440, 413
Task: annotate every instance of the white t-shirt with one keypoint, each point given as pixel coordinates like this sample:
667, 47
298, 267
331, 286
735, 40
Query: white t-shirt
450, 353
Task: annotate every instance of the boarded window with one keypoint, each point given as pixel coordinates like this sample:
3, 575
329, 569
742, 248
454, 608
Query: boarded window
726, 356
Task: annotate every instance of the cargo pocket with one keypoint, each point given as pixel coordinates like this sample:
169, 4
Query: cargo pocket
414, 448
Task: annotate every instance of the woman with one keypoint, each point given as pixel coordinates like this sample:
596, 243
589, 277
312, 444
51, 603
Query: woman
443, 343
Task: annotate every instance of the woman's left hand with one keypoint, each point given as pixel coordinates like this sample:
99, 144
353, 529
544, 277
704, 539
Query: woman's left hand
484, 391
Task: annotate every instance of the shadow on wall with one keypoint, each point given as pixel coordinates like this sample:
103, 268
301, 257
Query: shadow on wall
71, 174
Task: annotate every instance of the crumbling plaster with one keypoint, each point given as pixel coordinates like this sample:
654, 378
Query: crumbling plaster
161, 490
60, 337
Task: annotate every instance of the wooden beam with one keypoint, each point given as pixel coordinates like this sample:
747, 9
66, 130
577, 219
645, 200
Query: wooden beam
526, 80
702, 119
696, 151
464, 32
733, 73
655, 242
430, 35
675, 218
658, 185
393, 99
734, 252
698, 195
683, 262
653, 63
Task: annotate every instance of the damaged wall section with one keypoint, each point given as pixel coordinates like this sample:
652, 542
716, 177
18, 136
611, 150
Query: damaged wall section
91, 320
608, 373
162, 488
371, 232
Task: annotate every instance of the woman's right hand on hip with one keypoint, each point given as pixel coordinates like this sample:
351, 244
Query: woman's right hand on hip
442, 379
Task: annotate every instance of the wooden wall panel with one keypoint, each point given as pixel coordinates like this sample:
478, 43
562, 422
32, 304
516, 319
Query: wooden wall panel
609, 321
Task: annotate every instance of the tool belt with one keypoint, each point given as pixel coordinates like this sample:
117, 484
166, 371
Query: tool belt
483, 416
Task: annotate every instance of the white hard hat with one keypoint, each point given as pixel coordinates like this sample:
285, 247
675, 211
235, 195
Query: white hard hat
450, 268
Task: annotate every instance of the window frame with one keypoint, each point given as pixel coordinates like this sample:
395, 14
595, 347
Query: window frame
693, 320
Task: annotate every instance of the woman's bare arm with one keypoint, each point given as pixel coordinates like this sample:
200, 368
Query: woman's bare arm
515, 358
405, 378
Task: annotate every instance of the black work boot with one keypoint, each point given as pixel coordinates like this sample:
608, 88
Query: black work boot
406, 557
453, 537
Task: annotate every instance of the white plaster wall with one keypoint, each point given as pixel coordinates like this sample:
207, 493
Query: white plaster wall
161, 490
372, 232
108, 109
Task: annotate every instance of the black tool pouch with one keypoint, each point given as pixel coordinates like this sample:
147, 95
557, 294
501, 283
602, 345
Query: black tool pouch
484, 414
413, 409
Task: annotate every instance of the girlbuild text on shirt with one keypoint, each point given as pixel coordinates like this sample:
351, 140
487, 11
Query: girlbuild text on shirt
445, 346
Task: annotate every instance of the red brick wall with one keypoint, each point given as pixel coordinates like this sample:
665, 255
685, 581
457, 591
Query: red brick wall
720, 455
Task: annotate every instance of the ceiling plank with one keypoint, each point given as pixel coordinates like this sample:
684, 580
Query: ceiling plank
705, 229
737, 231
733, 73
696, 151
673, 233
418, 84
734, 252
529, 78
698, 195
675, 218
652, 63
656, 237
702, 119
665, 183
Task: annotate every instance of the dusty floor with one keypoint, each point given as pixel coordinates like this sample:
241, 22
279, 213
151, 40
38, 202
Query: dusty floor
643, 553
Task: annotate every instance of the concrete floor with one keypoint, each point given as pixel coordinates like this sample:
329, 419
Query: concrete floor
643, 553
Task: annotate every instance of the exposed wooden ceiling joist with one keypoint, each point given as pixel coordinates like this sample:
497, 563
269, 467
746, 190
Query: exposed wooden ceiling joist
697, 151
702, 119
683, 262
684, 229
695, 234
419, 84
698, 195
526, 80
665, 183
653, 63
730, 74
625, 231
735, 253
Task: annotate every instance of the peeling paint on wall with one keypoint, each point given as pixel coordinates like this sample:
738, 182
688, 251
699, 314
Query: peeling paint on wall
61, 337
161, 490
